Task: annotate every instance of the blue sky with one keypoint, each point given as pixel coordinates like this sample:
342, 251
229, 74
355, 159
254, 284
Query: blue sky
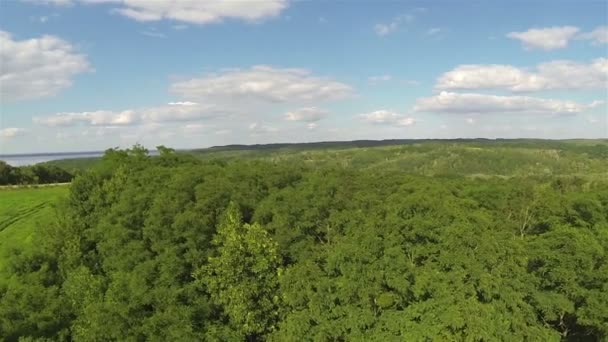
88, 75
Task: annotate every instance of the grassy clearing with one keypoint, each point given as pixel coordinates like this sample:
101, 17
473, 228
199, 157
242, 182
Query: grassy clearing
21, 210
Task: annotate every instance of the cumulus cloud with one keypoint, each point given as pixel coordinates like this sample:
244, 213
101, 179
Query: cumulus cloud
598, 36
37, 67
188, 11
263, 83
387, 117
383, 29
380, 78
172, 112
560, 74
95, 118
258, 128
194, 128
12, 132
549, 38
457, 103
310, 114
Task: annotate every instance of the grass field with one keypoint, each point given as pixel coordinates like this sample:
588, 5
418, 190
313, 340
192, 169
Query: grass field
21, 210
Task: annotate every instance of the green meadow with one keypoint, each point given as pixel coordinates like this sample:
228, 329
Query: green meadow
21, 211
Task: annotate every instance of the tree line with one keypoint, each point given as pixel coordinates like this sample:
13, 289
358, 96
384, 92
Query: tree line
174, 248
33, 174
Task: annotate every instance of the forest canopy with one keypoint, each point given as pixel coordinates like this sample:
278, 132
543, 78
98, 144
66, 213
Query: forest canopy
364, 248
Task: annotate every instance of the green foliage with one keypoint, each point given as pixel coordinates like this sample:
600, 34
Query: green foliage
25, 212
35, 174
243, 277
417, 242
30, 296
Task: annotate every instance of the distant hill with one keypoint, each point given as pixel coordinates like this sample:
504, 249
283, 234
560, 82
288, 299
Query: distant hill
595, 148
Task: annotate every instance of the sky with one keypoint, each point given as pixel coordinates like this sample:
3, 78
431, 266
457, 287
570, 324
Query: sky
87, 75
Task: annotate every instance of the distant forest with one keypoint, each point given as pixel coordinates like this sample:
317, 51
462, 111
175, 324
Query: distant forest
423, 241
33, 174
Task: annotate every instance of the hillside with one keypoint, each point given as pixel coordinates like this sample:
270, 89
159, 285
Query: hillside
420, 156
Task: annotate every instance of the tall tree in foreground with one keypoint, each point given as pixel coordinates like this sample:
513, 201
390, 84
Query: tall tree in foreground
243, 277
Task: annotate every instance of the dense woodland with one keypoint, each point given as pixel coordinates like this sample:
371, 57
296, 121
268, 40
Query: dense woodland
34, 174
421, 242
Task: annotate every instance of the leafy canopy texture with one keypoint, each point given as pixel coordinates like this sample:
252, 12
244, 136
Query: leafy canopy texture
243, 277
336, 245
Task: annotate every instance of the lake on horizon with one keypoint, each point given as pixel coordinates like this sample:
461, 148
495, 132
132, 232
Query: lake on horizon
35, 158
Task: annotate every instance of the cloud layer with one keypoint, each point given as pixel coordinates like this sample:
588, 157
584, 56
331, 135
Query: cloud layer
172, 112
598, 36
549, 38
457, 103
12, 132
383, 29
257, 128
37, 67
558, 37
551, 75
188, 11
265, 84
387, 117
310, 114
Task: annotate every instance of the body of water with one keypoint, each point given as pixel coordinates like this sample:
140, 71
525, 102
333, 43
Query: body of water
30, 159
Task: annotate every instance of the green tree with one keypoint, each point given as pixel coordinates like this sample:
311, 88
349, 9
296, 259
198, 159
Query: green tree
243, 277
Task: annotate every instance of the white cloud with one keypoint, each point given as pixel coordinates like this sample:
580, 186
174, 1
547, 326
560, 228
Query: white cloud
172, 112
383, 29
596, 103
560, 74
12, 132
470, 121
183, 103
380, 78
257, 128
387, 117
310, 114
456, 103
406, 122
51, 2
549, 38
153, 33
433, 31
96, 118
312, 126
188, 11
598, 36
181, 111
38, 67
194, 128
409, 82
223, 131
263, 83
